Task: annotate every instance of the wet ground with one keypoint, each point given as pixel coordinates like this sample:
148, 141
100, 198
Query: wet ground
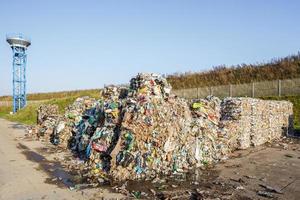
266, 172
270, 171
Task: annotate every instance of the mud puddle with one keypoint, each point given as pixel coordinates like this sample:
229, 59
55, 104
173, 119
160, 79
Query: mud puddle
197, 184
192, 185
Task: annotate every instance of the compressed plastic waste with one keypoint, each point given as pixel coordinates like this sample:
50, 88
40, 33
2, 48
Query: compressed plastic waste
58, 128
46, 120
252, 122
144, 131
45, 111
66, 124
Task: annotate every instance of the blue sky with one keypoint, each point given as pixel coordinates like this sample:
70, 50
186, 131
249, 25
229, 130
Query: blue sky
86, 44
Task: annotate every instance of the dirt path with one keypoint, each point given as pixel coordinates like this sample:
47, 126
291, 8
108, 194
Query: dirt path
23, 170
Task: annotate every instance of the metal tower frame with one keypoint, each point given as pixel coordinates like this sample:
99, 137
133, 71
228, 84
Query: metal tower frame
19, 46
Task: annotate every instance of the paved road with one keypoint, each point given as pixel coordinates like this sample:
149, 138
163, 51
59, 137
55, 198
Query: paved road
21, 176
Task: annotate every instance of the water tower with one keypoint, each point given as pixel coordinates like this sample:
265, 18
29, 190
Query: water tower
19, 44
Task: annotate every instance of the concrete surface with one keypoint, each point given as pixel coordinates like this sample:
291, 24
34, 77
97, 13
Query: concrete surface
21, 178
29, 170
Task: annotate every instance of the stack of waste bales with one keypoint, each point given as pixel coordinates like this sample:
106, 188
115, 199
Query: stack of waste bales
236, 115
252, 122
270, 120
46, 120
153, 132
45, 111
212, 145
57, 128
144, 131
72, 117
157, 133
75, 110
98, 131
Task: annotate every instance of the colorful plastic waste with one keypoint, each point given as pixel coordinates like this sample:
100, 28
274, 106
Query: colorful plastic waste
47, 116
144, 131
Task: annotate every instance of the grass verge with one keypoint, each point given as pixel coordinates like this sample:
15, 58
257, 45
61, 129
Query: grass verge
28, 115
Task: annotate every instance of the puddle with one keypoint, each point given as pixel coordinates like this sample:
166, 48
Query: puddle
180, 185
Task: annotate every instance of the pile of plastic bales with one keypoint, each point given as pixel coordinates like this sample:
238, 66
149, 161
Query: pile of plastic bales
46, 112
66, 124
253, 122
144, 131
47, 116
58, 128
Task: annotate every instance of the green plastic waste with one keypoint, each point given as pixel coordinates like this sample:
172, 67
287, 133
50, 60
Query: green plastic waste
197, 105
129, 141
136, 194
113, 105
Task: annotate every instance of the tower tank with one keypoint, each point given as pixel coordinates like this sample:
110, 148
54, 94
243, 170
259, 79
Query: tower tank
19, 44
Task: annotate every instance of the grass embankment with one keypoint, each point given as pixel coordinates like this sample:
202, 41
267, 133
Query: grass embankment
28, 115
57, 95
283, 68
280, 68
